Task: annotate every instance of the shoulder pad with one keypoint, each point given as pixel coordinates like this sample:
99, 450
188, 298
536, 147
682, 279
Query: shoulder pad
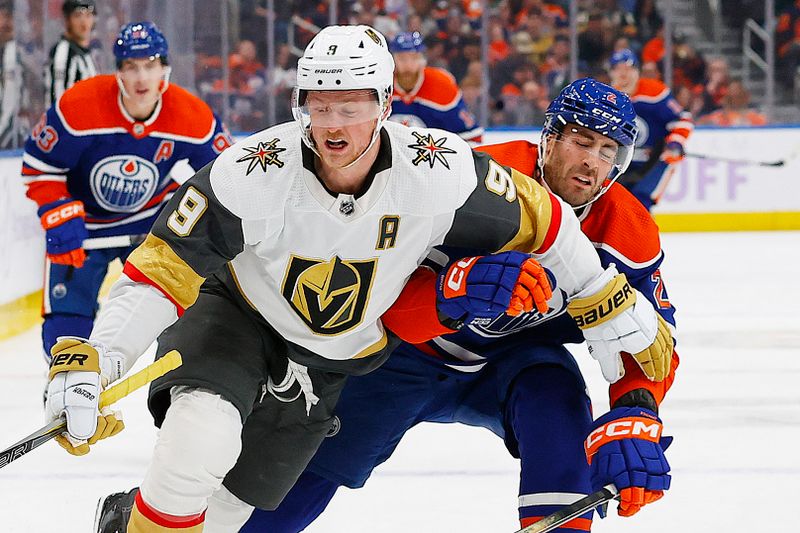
650, 91
439, 89
618, 223
245, 176
519, 155
91, 94
184, 116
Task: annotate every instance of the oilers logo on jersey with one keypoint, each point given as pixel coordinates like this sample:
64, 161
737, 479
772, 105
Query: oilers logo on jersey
329, 296
123, 183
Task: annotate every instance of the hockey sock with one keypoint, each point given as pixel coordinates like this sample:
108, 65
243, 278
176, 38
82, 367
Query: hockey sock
145, 519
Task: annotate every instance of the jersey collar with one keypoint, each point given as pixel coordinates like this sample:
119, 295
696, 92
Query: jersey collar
350, 206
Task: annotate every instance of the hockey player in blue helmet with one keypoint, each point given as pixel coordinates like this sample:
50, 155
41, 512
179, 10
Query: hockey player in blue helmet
427, 96
327, 187
511, 375
142, 56
664, 129
582, 107
99, 164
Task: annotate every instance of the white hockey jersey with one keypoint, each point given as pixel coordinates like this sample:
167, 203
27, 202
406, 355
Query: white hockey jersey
322, 268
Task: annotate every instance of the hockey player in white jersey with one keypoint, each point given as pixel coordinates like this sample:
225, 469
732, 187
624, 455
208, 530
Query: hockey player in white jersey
270, 269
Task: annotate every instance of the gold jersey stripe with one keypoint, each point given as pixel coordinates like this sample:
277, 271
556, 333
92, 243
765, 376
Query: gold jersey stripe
373, 348
535, 214
138, 523
160, 264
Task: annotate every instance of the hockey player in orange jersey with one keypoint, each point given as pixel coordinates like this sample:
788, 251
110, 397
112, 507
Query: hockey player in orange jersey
427, 96
664, 127
98, 165
509, 374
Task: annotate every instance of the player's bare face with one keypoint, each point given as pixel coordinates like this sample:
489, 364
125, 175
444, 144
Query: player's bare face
143, 81
577, 163
342, 123
624, 77
79, 26
407, 66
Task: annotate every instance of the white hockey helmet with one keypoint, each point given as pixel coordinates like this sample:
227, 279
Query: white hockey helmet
344, 58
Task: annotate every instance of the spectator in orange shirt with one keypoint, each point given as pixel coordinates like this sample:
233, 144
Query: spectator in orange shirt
735, 109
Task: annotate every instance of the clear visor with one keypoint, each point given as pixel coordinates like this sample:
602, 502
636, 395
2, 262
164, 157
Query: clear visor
335, 109
612, 158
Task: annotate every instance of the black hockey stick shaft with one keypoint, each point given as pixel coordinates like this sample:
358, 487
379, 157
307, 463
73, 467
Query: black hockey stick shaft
562, 516
777, 163
119, 390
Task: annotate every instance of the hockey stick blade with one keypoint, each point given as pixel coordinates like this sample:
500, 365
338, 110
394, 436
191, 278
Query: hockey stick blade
562, 516
777, 163
170, 361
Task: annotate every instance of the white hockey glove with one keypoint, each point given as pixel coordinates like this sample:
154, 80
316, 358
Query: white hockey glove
615, 318
79, 371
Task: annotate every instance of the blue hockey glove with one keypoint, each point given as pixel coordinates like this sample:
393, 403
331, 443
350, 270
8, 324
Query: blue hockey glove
65, 231
488, 286
625, 447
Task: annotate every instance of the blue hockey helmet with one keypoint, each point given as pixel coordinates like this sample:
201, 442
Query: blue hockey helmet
625, 55
600, 108
140, 40
70, 6
408, 41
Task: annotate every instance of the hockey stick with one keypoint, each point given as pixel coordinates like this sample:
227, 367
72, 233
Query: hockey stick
116, 392
561, 517
777, 163
115, 241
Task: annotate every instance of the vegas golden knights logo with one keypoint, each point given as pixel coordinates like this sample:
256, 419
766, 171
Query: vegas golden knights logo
330, 296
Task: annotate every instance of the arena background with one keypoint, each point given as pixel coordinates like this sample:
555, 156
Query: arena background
732, 243
509, 57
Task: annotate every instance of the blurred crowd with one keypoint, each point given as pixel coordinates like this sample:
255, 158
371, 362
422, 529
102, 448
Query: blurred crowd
528, 54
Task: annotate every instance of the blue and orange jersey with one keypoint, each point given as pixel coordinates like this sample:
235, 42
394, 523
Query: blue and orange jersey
659, 118
623, 233
435, 102
87, 147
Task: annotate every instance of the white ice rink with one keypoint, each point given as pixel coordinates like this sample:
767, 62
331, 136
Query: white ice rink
734, 411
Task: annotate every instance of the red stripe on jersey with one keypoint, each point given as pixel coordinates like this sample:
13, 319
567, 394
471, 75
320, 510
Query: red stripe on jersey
555, 225
136, 275
30, 171
167, 520
577, 524
45, 192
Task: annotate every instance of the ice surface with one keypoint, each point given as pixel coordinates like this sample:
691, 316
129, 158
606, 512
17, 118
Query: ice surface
734, 412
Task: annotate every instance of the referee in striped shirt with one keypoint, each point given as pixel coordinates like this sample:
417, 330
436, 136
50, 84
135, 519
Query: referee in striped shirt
70, 60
